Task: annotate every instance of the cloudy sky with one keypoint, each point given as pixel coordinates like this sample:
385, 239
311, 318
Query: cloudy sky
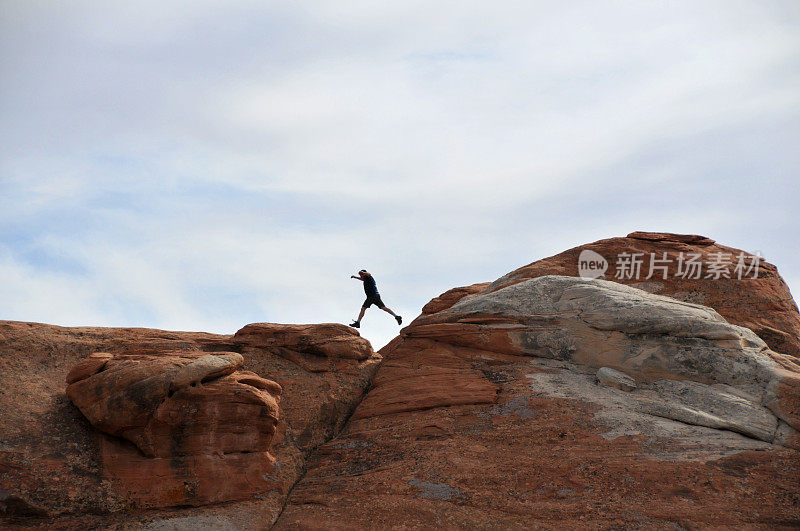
200, 165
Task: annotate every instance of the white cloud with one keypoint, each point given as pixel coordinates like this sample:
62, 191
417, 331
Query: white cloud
201, 164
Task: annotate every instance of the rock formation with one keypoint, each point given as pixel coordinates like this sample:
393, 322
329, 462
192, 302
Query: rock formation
563, 402
168, 419
202, 426
762, 304
539, 399
701, 367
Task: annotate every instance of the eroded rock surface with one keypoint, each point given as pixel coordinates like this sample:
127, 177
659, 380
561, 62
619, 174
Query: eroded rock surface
597, 323
203, 427
166, 420
534, 400
760, 300
614, 378
528, 435
762, 304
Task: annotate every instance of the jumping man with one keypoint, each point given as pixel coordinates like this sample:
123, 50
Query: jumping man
373, 297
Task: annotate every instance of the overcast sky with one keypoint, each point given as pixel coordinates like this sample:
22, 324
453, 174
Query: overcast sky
202, 165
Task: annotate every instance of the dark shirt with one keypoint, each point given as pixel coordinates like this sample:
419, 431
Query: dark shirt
369, 287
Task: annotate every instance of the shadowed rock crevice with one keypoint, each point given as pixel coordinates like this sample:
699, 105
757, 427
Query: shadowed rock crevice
338, 425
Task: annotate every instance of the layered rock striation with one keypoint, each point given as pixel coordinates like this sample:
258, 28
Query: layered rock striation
164, 420
700, 368
689, 268
201, 426
543, 399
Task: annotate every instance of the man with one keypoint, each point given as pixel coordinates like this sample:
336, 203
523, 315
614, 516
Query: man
373, 297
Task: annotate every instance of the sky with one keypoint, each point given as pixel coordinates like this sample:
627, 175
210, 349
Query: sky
199, 165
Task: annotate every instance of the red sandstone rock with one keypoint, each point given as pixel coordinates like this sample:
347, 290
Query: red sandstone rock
316, 348
531, 460
179, 404
198, 409
466, 424
452, 296
763, 304
599, 324
442, 379
485, 416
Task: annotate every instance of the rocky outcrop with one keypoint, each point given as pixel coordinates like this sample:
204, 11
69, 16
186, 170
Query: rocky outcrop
316, 348
166, 420
539, 399
692, 365
614, 378
177, 404
760, 300
596, 323
452, 296
564, 402
202, 426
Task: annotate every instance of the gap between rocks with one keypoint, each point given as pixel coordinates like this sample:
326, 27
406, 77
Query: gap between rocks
334, 434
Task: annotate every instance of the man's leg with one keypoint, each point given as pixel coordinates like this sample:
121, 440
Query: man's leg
387, 310
396, 317
357, 322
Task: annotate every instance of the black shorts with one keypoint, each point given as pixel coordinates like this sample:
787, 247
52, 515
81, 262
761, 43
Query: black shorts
373, 299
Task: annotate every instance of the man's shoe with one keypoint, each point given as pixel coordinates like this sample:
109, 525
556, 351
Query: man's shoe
399, 319
355, 324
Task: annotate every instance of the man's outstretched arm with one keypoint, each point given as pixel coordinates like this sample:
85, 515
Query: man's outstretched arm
357, 278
